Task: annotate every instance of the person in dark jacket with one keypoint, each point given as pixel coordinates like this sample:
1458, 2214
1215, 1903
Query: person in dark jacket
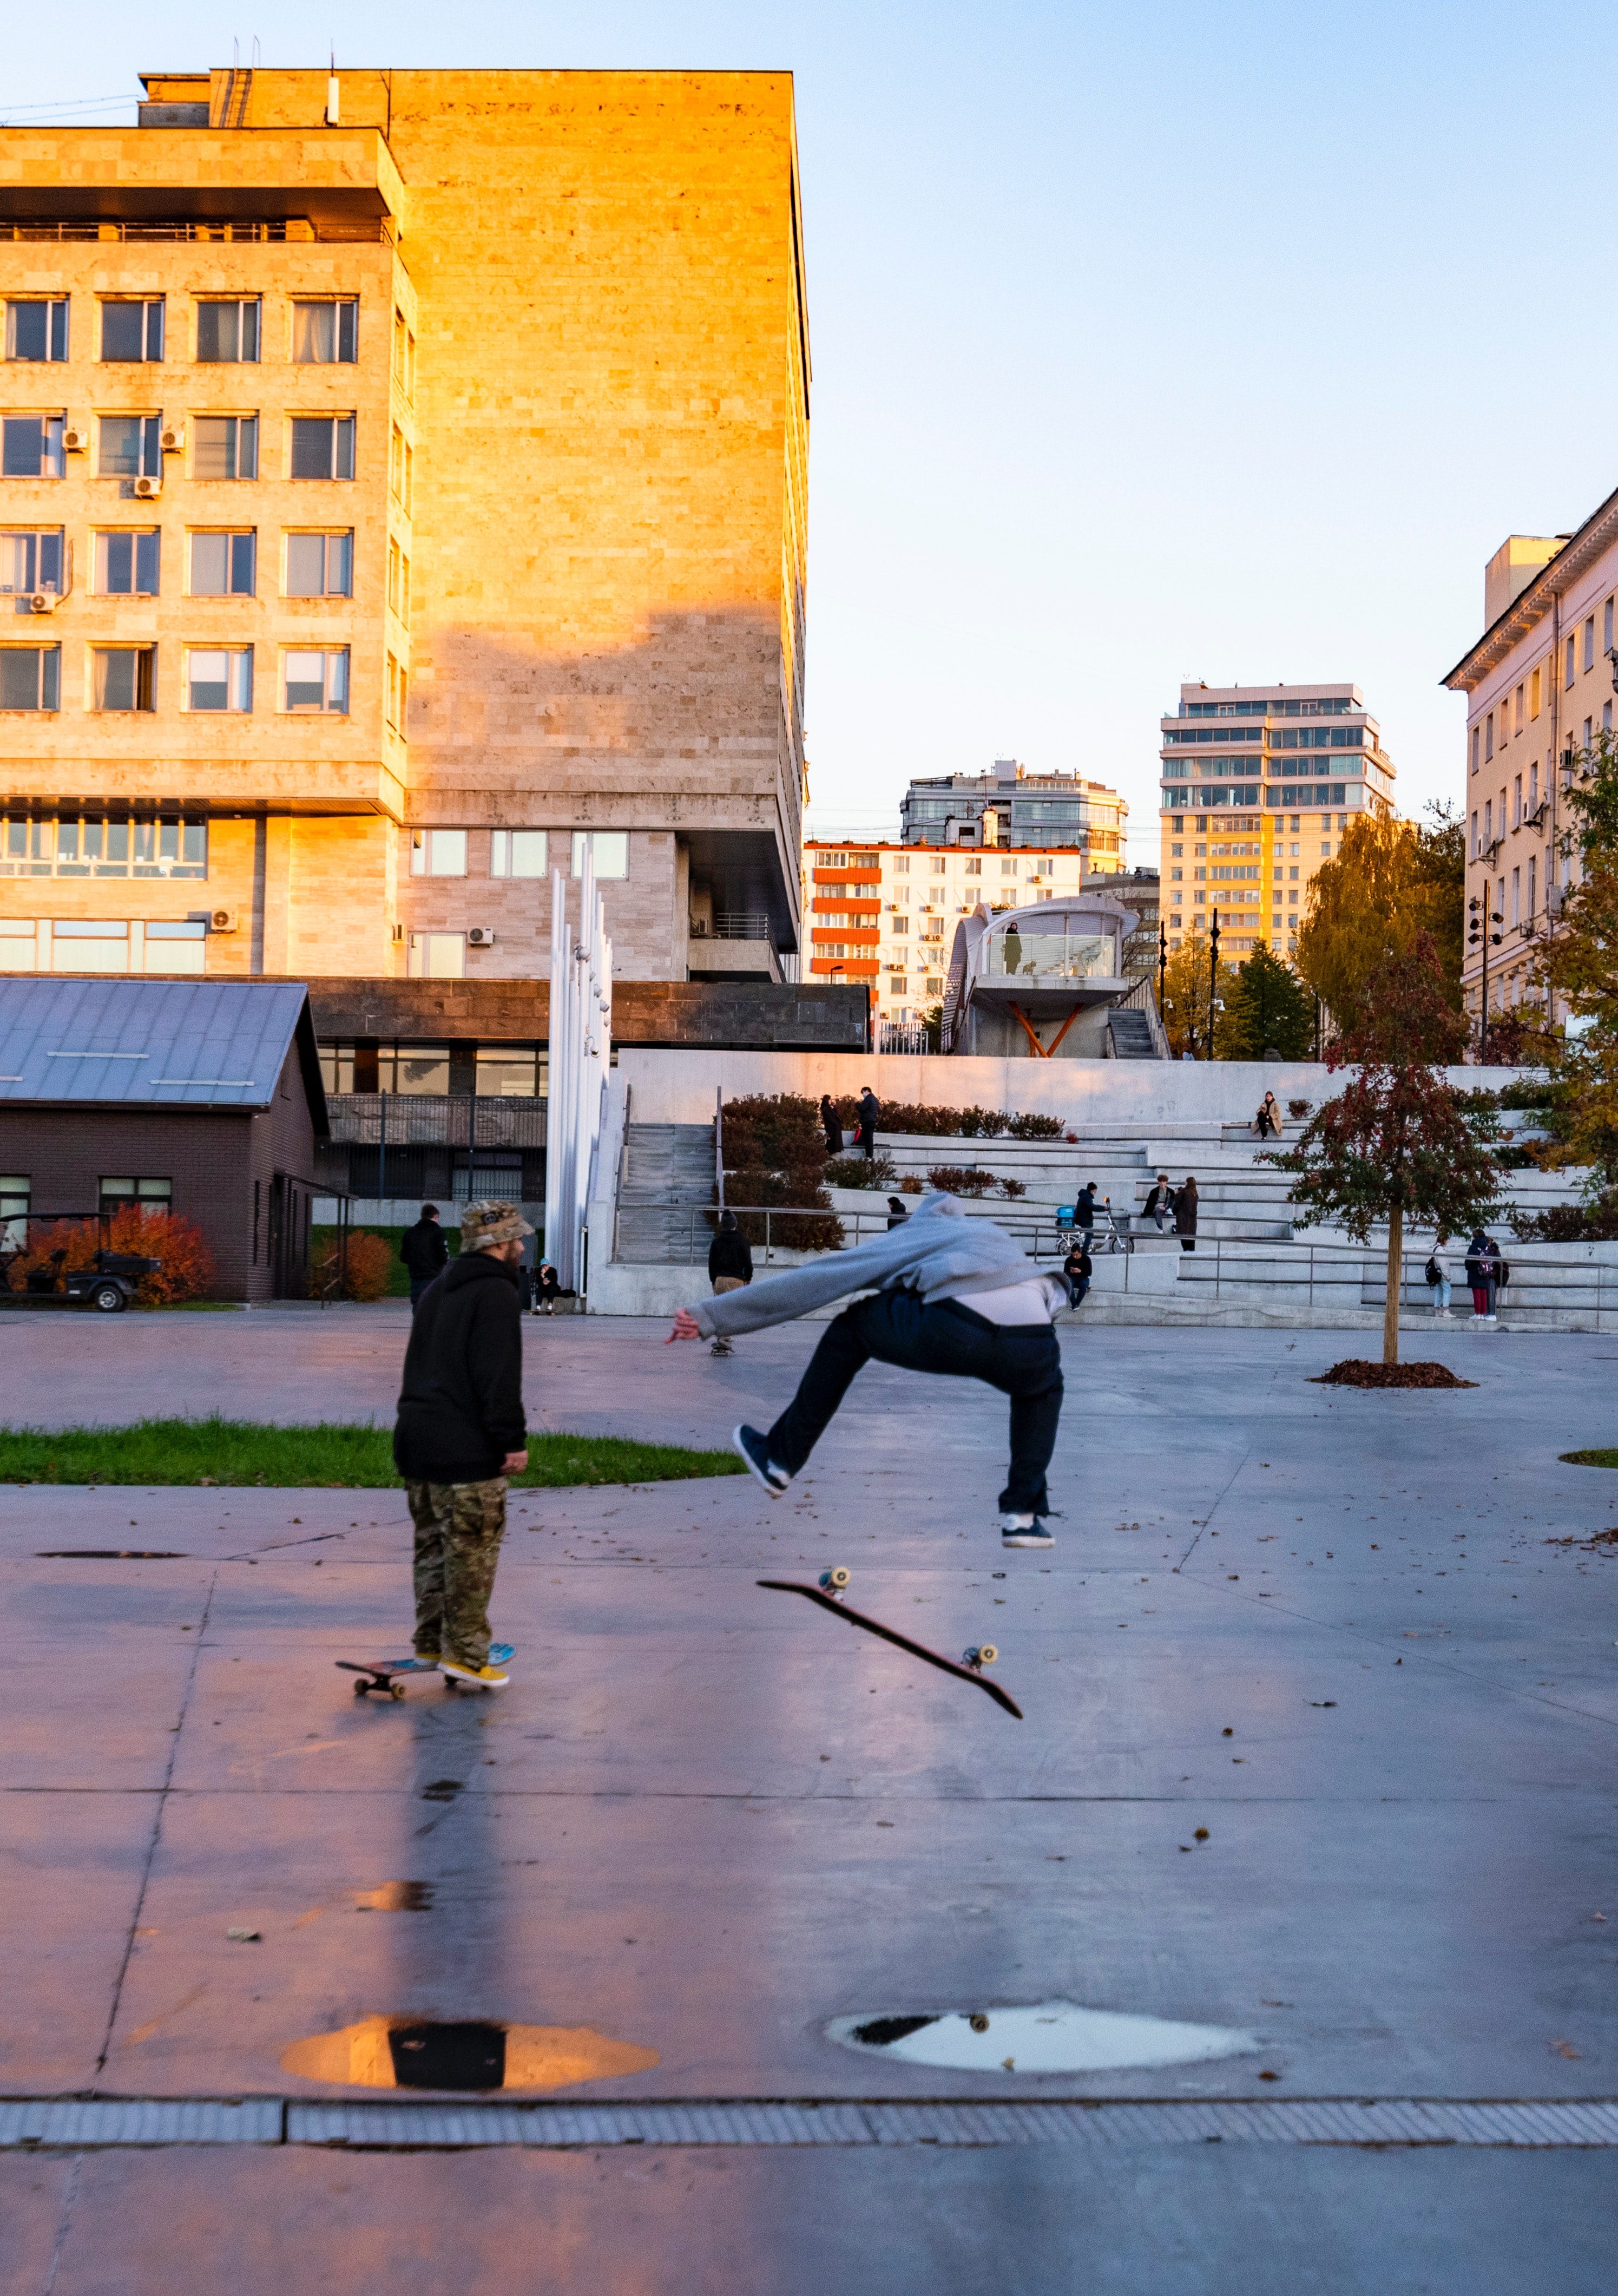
1483, 1275
425, 1252
898, 1212
730, 1267
547, 1290
831, 1124
1159, 1205
460, 1431
1078, 1269
870, 1109
1185, 1215
1084, 1209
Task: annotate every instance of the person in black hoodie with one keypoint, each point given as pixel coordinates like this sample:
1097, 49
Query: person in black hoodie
870, 1110
460, 1431
730, 1267
425, 1252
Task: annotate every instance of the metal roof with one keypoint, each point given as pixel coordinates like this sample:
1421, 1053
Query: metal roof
154, 1044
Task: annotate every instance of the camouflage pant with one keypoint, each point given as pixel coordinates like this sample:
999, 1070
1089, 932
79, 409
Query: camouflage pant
459, 1528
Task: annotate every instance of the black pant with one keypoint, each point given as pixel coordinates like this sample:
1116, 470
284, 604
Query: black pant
418, 1285
1022, 1360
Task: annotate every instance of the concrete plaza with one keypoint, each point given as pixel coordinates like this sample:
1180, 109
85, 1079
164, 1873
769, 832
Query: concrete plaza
1392, 1879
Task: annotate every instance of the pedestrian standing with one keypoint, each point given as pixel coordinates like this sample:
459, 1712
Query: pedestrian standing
955, 1296
1484, 1273
1084, 1211
425, 1252
1185, 1215
460, 1433
831, 1124
730, 1268
1438, 1275
870, 1109
547, 1290
1159, 1205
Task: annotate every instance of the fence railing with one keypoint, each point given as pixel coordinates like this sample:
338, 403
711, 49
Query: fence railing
435, 1119
1327, 1273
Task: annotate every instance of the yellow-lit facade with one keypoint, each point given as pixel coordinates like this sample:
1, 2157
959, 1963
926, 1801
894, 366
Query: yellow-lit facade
393, 511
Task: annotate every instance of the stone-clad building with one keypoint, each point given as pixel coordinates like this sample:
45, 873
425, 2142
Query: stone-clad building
403, 481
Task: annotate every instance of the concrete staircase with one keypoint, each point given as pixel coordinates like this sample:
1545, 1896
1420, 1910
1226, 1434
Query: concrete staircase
1130, 1032
667, 1170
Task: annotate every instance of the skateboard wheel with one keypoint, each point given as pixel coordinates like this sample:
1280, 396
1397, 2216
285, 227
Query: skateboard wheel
360, 1688
987, 1652
979, 2024
395, 1690
836, 1580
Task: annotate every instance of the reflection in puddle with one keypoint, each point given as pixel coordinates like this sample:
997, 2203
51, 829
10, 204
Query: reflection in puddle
395, 1898
407, 2053
1052, 2037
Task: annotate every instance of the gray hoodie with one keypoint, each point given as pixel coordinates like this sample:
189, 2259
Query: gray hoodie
938, 1252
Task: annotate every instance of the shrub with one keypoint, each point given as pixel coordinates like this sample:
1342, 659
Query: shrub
1595, 1222
960, 1180
983, 1123
772, 1132
367, 1265
1298, 1108
922, 1123
1035, 1128
187, 1272
860, 1172
1012, 1188
910, 1185
792, 1191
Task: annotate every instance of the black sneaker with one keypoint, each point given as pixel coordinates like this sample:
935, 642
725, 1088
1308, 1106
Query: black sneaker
751, 1446
1025, 1531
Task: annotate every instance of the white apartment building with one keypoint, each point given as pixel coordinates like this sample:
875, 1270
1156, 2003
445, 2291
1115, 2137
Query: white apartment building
887, 914
1259, 783
1539, 686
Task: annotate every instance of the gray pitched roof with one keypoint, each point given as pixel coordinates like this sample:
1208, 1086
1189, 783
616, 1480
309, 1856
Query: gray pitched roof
154, 1044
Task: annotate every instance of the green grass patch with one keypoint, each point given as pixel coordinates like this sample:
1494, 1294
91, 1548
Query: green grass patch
1590, 1458
241, 1454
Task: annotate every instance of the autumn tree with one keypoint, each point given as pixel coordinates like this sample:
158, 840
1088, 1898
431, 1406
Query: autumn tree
1185, 996
1577, 964
1399, 1142
1268, 1010
1390, 881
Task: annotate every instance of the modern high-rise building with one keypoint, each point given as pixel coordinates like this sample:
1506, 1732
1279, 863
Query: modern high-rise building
1012, 806
1259, 783
403, 493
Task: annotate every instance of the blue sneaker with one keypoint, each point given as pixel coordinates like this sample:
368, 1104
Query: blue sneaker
427, 1661
751, 1447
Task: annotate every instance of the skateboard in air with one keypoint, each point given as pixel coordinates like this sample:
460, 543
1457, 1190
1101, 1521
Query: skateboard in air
828, 1592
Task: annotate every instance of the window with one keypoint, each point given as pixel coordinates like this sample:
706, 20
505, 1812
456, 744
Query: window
227, 333
1533, 695
398, 347
1476, 849
507, 1072
326, 333
1008, 868
937, 868
90, 945
96, 847
1520, 706
30, 561
132, 331
225, 447
127, 563
437, 852
224, 565
37, 331
1475, 743
316, 681
1569, 678
1489, 822
220, 677
127, 1195
30, 677
1532, 869
518, 853
398, 582
1488, 735
1517, 890
122, 677
323, 446
902, 864
608, 849
414, 1067
437, 956
393, 706
16, 1190
1517, 802
320, 565
1589, 643
1589, 732
130, 446
30, 447
1533, 787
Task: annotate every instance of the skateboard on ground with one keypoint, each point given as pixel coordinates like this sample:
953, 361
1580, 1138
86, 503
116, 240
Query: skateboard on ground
828, 1592
380, 1676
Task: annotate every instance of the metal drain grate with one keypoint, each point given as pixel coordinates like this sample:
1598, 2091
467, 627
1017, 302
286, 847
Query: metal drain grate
87, 2125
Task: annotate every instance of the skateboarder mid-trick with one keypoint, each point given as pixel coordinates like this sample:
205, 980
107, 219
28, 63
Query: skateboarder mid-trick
461, 1433
952, 1295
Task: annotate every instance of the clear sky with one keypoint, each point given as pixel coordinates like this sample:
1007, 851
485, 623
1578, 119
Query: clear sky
1150, 343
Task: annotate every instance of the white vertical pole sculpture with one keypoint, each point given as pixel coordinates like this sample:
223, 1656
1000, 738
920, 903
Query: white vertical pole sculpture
580, 1052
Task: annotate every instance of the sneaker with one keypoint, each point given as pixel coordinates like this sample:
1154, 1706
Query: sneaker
481, 1677
750, 1445
721, 1347
427, 1661
1025, 1530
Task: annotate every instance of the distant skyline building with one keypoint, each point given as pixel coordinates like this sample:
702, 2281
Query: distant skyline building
1259, 783
1013, 807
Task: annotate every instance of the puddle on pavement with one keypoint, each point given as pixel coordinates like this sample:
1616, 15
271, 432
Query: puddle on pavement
395, 1898
1051, 2036
406, 2053
109, 1555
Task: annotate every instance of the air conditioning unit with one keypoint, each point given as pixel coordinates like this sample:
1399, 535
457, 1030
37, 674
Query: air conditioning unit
480, 937
148, 490
75, 438
171, 438
43, 602
223, 921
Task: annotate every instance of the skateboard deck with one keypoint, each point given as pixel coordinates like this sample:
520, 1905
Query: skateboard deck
828, 1592
380, 1676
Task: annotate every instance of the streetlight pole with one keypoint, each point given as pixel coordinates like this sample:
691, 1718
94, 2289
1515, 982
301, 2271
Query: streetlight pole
1212, 977
1163, 966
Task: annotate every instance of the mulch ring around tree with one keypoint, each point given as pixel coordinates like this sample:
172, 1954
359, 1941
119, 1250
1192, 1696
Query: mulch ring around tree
1356, 1372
